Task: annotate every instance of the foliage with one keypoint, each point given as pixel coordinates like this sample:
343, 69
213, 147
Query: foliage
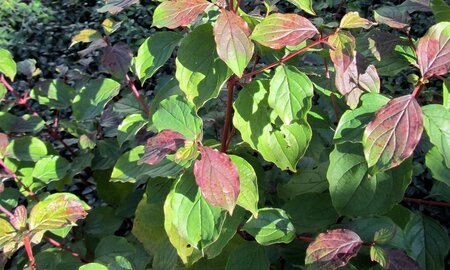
226, 135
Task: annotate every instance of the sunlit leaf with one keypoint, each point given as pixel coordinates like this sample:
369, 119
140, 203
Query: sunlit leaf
378, 255
305, 5
218, 178
20, 217
280, 30
433, 50
7, 232
436, 121
175, 13
116, 6
248, 196
394, 133
435, 162
7, 64
110, 26
234, 47
86, 36
344, 49
26, 149
353, 20
332, 249
159, 146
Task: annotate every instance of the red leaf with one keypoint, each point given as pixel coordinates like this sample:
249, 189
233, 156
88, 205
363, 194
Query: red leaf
394, 133
158, 147
218, 178
175, 13
20, 217
280, 30
117, 59
4, 141
344, 50
433, 51
398, 260
332, 249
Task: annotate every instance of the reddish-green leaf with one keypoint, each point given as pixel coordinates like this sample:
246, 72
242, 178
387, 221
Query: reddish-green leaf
433, 51
218, 178
117, 59
280, 30
393, 17
175, 13
158, 147
353, 20
4, 141
332, 249
398, 260
344, 50
394, 133
234, 47
19, 220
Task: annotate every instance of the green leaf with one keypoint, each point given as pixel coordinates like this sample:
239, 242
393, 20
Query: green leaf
352, 123
56, 211
436, 121
127, 168
9, 198
178, 115
51, 168
166, 257
344, 52
7, 233
86, 36
290, 94
248, 256
272, 226
248, 195
283, 145
129, 127
198, 222
428, 242
311, 213
7, 64
54, 93
355, 192
25, 123
172, 14
305, 5
116, 6
110, 26
154, 52
234, 47
199, 69
446, 93
435, 162
26, 149
353, 20
93, 97
102, 221
377, 254
112, 193
93, 266
3, 91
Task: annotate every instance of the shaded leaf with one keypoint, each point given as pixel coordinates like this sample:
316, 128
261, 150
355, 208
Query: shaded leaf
26, 149
7, 64
234, 47
86, 36
393, 17
110, 26
54, 93
394, 133
398, 260
305, 5
433, 51
353, 20
377, 254
25, 123
116, 6
332, 249
344, 50
218, 178
175, 13
117, 59
159, 146
280, 30
248, 256
129, 128
441, 10
435, 162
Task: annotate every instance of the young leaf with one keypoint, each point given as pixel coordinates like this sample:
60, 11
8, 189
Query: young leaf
56, 211
353, 20
344, 52
384, 235
158, 147
117, 59
398, 260
272, 226
280, 30
395, 132
433, 51
234, 47
7, 64
393, 17
116, 6
175, 13
305, 5
332, 249
377, 254
178, 115
218, 178
20, 218
248, 195
154, 52
436, 121
199, 70
290, 93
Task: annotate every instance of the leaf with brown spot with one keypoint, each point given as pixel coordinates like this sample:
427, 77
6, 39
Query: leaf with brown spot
176, 13
280, 30
158, 147
332, 249
218, 178
433, 51
393, 135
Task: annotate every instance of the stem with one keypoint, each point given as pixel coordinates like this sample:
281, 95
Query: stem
418, 88
238, 3
17, 179
27, 244
287, 57
23, 101
341, 4
428, 202
411, 40
6, 212
229, 114
304, 238
335, 107
138, 96
61, 246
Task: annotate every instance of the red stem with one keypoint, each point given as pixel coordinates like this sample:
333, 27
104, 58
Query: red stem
61, 246
428, 202
27, 244
6, 212
17, 179
304, 238
289, 56
229, 113
138, 96
420, 85
238, 3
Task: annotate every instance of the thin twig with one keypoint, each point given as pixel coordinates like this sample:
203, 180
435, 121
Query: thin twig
304, 238
428, 202
61, 246
138, 96
17, 179
229, 114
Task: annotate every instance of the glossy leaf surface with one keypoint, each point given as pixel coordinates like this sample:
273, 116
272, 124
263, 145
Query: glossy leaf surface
175, 13
433, 51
